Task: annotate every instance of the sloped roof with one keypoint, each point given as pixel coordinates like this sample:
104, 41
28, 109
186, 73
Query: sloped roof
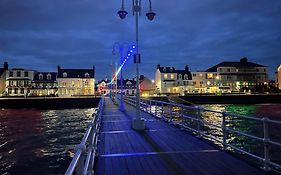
53, 77
173, 70
76, 73
243, 63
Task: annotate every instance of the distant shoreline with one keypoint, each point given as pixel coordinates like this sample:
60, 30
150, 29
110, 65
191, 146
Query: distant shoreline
50, 102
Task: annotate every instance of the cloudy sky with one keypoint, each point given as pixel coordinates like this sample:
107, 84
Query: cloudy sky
41, 34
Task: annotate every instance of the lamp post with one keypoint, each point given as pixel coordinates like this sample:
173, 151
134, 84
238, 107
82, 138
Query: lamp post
121, 49
138, 122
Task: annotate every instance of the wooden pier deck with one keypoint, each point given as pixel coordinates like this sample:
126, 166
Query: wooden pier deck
161, 149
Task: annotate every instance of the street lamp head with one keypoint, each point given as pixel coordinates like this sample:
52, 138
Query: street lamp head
122, 14
150, 15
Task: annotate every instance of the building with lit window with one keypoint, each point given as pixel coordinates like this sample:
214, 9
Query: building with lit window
168, 80
18, 81
44, 84
147, 86
236, 76
129, 87
75, 82
278, 77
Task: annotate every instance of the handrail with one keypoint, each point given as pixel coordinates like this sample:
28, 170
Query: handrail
165, 110
83, 161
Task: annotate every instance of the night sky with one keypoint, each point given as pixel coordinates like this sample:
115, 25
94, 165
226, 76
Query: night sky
41, 34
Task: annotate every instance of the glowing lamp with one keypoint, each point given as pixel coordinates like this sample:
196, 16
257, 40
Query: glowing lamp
150, 15
122, 14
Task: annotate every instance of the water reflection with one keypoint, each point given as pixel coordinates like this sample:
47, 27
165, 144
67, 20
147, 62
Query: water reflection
40, 142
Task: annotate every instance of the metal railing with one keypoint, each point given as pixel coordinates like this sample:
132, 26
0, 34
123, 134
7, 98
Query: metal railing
190, 117
84, 158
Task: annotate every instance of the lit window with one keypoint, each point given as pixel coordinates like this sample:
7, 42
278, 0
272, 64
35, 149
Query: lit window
210, 76
165, 76
172, 76
72, 83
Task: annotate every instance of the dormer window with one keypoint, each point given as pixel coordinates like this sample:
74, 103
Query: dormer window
164, 69
171, 69
87, 75
40, 76
185, 77
64, 75
179, 76
49, 77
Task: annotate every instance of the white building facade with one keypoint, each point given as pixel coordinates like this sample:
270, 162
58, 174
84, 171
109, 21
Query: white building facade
18, 81
76, 82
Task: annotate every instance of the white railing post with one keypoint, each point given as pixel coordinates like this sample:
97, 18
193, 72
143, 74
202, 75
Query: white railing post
266, 145
162, 110
150, 106
80, 164
170, 111
223, 126
198, 122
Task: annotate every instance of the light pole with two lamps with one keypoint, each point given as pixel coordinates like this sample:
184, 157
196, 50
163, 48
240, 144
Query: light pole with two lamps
138, 122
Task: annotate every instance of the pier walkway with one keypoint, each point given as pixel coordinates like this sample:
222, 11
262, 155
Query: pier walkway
161, 149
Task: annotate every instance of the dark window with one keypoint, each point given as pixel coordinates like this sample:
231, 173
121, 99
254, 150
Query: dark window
11, 74
26, 74
264, 70
257, 69
16, 91
220, 69
228, 70
22, 90
18, 74
194, 75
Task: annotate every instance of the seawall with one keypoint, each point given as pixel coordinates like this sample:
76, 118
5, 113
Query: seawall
50, 102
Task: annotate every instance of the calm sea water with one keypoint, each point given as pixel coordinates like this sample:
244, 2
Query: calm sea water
40, 142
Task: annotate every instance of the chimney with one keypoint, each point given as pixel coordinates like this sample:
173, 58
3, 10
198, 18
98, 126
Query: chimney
94, 69
158, 66
186, 68
58, 68
6, 66
244, 60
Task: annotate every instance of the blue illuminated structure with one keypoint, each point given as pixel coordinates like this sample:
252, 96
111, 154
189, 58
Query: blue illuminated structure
124, 61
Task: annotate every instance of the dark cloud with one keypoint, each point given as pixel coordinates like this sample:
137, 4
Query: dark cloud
80, 33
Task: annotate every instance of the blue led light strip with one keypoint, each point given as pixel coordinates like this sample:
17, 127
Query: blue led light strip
130, 53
